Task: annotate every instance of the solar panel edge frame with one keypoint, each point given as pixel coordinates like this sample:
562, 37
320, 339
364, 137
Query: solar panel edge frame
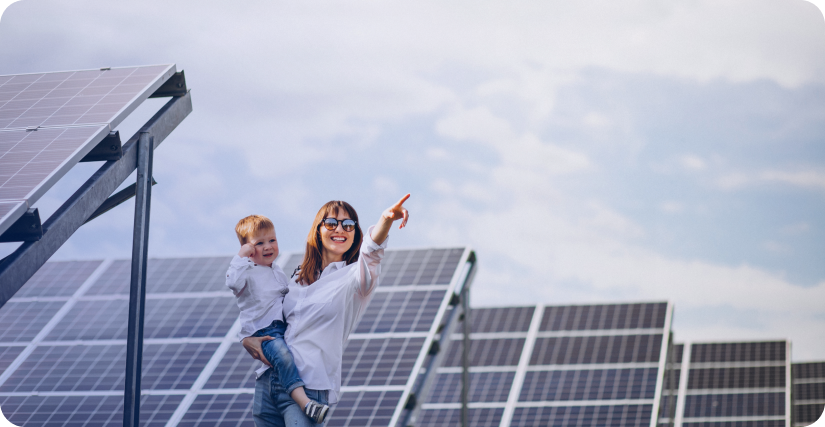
458, 275
47, 183
788, 385
660, 377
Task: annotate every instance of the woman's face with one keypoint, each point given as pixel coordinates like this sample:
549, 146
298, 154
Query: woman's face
337, 242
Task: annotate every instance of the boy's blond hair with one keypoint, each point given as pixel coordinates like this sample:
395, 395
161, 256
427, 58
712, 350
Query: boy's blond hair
252, 225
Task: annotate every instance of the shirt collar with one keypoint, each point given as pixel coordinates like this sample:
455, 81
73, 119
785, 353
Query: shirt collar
333, 267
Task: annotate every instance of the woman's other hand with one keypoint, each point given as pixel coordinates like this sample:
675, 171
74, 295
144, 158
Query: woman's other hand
392, 214
252, 345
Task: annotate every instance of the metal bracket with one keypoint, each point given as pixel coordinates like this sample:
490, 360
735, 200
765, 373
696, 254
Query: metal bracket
27, 228
115, 200
110, 148
411, 402
175, 86
434, 348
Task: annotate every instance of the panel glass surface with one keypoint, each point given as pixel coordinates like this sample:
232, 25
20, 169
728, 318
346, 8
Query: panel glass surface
808, 370
593, 384
165, 275
164, 318
484, 387
72, 97
420, 267
235, 370
102, 367
365, 408
612, 316
613, 416
373, 362
505, 319
750, 377
8, 354
21, 321
735, 405
57, 279
487, 352
86, 411
28, 158
400, 312
738, 352
598, 349
805, 415
760, 423
219, 410
479, 417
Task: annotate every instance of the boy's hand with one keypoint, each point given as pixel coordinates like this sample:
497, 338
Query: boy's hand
247, 250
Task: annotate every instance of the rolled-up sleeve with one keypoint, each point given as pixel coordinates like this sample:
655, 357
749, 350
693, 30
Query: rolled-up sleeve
369, 264
235, 274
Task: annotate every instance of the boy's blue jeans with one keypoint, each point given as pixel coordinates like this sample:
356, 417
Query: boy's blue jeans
279, 356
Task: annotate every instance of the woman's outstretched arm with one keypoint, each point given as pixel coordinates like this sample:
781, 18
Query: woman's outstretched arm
392, 214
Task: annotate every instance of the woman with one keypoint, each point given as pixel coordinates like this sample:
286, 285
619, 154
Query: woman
326, 298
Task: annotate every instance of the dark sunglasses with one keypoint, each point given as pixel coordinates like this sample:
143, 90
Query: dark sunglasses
332, 223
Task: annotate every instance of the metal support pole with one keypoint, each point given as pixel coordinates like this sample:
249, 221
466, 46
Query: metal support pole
137, 293
465, 357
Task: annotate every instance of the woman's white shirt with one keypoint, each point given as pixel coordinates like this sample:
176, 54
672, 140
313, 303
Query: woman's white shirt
322, 315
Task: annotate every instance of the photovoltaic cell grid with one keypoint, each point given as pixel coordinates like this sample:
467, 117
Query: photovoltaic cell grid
49, 121
744, 383
79, 360
587, 366
808, 392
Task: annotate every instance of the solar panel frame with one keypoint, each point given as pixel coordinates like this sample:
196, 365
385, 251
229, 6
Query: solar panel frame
715, 386
526, 330
26, 170
808, 392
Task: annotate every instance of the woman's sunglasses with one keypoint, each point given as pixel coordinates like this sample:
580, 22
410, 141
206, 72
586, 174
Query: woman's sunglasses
332, 223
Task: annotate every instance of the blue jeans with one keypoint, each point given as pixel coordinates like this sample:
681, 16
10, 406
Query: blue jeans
281, 411
279, 356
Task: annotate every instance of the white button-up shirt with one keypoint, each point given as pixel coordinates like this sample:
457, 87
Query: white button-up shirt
259, 291
321, 316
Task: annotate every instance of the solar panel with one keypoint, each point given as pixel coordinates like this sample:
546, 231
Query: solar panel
62, 343
745, 383
557, 365
808, 392
49, 121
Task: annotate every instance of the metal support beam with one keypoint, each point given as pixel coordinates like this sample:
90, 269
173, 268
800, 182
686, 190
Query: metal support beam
465, 356
21, 265
438, 350
116, 200
137, 292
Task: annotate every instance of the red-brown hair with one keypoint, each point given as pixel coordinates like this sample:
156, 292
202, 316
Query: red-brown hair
311, 266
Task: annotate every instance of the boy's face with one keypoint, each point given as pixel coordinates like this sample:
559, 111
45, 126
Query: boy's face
266, 248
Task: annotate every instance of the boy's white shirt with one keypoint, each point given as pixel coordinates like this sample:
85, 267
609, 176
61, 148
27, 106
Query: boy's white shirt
259, 291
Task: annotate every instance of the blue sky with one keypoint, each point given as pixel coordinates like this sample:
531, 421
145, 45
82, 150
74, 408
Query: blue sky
589, 151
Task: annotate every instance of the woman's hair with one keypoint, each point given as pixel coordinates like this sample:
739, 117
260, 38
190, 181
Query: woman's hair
310, 269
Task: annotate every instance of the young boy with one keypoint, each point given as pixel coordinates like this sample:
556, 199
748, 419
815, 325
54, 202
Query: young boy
259, 287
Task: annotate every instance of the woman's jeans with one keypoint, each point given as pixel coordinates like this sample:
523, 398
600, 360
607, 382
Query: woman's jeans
279, 356
281, 411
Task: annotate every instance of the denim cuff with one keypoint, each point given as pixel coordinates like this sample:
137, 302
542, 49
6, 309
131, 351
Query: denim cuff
290, 388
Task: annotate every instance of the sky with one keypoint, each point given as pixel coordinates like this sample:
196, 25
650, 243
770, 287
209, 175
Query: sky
588, 151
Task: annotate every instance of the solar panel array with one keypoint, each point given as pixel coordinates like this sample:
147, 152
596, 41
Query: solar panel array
808, 392
49, 121
733, 384
63, 343
557, 365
